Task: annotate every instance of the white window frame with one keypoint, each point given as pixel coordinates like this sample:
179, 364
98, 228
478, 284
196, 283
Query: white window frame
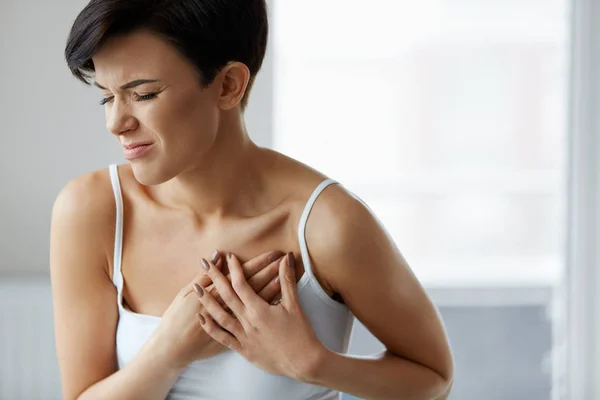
582, 317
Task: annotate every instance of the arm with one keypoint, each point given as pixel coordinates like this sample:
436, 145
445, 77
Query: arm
85, 308
355, 256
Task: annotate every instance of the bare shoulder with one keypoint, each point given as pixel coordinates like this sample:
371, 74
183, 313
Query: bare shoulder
345, 236
338, 216
84, 209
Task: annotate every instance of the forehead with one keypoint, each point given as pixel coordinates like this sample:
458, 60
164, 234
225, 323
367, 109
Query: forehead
136, 55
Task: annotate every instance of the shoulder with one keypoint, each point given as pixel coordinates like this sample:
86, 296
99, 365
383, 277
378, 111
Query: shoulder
338, 220
84, 212
85, 199
344, 235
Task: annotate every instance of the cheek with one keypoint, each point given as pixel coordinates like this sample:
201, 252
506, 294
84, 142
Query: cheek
185, 121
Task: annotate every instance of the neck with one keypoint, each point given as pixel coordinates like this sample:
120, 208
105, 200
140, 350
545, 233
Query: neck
226, 179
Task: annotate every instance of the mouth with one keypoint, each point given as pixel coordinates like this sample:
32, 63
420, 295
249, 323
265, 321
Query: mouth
136, 150
134, 145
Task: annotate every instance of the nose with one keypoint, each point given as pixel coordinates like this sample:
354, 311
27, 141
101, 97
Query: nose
119, 118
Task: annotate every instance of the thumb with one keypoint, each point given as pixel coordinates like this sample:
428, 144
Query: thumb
287, 277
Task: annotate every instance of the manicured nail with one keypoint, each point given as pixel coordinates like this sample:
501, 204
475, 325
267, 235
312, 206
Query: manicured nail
198, 290
205, 264
274, 256
201, 318
215, 256
291, 260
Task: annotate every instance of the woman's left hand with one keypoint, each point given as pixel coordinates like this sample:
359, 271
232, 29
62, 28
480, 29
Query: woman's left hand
277, 338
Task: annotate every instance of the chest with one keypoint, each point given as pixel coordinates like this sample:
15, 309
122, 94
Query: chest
161, 254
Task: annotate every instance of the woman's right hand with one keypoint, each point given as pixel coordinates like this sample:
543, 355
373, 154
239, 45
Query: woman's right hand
179, 339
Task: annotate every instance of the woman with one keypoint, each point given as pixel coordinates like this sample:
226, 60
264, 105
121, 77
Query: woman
140, 310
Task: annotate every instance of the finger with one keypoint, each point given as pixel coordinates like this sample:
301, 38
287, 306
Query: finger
222, 317
217, 333
215, 294
257, 264
264, 277
272, 290
260, 270
287, 277
240, 284
217, 259
201, 279
225, 289
204, 280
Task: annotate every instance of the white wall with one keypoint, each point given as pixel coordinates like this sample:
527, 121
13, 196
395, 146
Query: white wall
52, 128
28, 367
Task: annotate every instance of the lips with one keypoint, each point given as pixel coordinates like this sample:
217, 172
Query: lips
136, 150
134, 145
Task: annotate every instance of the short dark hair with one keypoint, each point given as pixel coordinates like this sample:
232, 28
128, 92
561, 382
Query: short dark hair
209, 33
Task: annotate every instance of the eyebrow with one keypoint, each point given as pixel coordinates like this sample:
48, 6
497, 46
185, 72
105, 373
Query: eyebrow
131, 84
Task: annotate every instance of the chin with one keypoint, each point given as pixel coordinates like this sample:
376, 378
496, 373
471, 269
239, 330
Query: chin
149, 173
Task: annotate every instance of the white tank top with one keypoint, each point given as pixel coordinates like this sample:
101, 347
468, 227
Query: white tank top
229, 376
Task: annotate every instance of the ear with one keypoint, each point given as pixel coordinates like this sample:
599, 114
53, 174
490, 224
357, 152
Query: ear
235, 78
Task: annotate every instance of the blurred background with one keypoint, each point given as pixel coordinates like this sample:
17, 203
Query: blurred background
468, 126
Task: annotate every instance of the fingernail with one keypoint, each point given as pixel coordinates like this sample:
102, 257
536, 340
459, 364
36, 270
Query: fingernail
274, 256
276, 279
201, 318
198, 290
291, 260
205, 264
215, 257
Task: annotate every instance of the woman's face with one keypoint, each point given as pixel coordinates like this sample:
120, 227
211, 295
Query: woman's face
152, 94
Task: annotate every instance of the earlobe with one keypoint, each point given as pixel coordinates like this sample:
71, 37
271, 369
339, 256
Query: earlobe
235, 81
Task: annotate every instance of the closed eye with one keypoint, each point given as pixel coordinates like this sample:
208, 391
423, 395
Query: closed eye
137, 97
144, 97
105, 100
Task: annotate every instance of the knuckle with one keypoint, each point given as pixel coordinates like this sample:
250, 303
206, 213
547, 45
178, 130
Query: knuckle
228, 297
209, 328
229, 324
237, 284
259, 316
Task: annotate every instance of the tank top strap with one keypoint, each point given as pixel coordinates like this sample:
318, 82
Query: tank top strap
302, 229
116, 185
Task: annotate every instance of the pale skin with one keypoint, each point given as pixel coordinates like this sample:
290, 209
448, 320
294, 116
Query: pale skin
204, 185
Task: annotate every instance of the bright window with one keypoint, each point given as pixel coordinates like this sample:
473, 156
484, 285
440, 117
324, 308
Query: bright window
447, 117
